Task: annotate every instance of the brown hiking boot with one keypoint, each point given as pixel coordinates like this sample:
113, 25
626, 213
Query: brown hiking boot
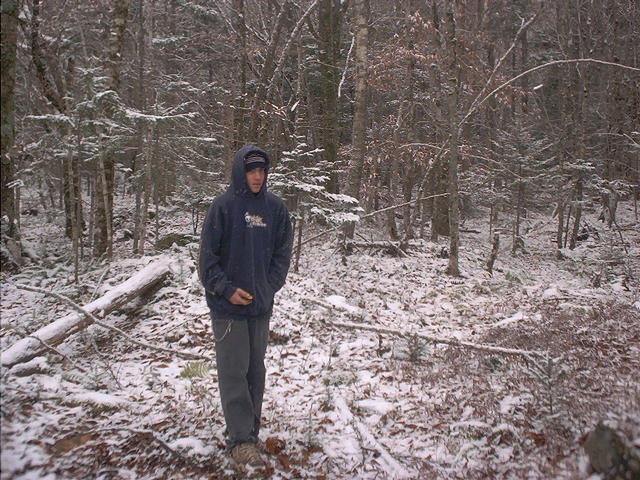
247, 454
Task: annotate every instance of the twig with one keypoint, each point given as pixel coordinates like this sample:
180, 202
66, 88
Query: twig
529, 355
283, 55
147, 433
534, 69
626, 250
95, 320
106, 270
346, 64
517, 36
107, 366
393, 207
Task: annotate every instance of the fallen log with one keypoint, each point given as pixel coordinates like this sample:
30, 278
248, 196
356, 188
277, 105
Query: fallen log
58, 331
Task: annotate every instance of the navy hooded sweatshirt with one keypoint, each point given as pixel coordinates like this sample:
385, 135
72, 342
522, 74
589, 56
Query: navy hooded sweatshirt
245, 243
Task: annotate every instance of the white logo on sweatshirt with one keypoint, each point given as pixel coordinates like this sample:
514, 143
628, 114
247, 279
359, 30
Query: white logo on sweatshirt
254, 221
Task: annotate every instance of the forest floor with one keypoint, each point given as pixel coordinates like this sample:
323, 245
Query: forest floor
340, 403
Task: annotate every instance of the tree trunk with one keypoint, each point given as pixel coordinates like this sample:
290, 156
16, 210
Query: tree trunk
106, 168
329, 44
392, 173
452, 267
578, 215
265, 74
147, 189
73, 215
440, 205
494, 253
9, 39
360, 117
145, 33
103, 241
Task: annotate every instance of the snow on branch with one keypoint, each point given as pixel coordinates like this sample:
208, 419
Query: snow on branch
529, 355
137, 116
391, 467
120, 332
56, 332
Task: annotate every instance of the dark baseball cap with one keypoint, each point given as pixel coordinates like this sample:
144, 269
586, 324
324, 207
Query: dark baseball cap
254, 161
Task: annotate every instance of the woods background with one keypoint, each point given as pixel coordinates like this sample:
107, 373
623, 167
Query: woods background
406, 128
384, 102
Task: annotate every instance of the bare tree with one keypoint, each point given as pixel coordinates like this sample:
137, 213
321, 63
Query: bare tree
10, 10
360, 116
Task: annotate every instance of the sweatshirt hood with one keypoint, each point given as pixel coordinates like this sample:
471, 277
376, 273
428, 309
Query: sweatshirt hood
239, 184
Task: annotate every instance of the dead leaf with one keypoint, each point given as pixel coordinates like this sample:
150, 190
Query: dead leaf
274, 445
538, 438
70, 442
285, 461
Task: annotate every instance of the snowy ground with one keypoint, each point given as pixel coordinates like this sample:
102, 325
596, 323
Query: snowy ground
340, 403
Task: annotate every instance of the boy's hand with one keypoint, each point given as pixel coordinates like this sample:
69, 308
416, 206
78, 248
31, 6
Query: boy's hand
240, 297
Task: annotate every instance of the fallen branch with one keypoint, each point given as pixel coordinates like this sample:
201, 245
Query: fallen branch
528, 355
388, 245
386, 209
24, 334
147, 433
56, 332
392, 468
97, 321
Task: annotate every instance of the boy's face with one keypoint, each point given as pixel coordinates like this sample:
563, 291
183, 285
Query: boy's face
255, 179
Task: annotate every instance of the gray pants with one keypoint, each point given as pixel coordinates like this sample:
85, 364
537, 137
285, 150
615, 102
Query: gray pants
241, 375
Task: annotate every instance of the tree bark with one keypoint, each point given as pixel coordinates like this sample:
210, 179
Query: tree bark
238, 137
9, 40
265, 74
73, 215
103, 240
329, 30
360, 117
452, 267
494, 253
577, 216
106, 170
147, 188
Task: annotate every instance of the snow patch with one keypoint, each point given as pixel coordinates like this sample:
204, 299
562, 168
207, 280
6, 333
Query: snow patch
509, 403
198, 309
512, 319
98, 399
194, 445
551, 292
376, 405
341, 303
